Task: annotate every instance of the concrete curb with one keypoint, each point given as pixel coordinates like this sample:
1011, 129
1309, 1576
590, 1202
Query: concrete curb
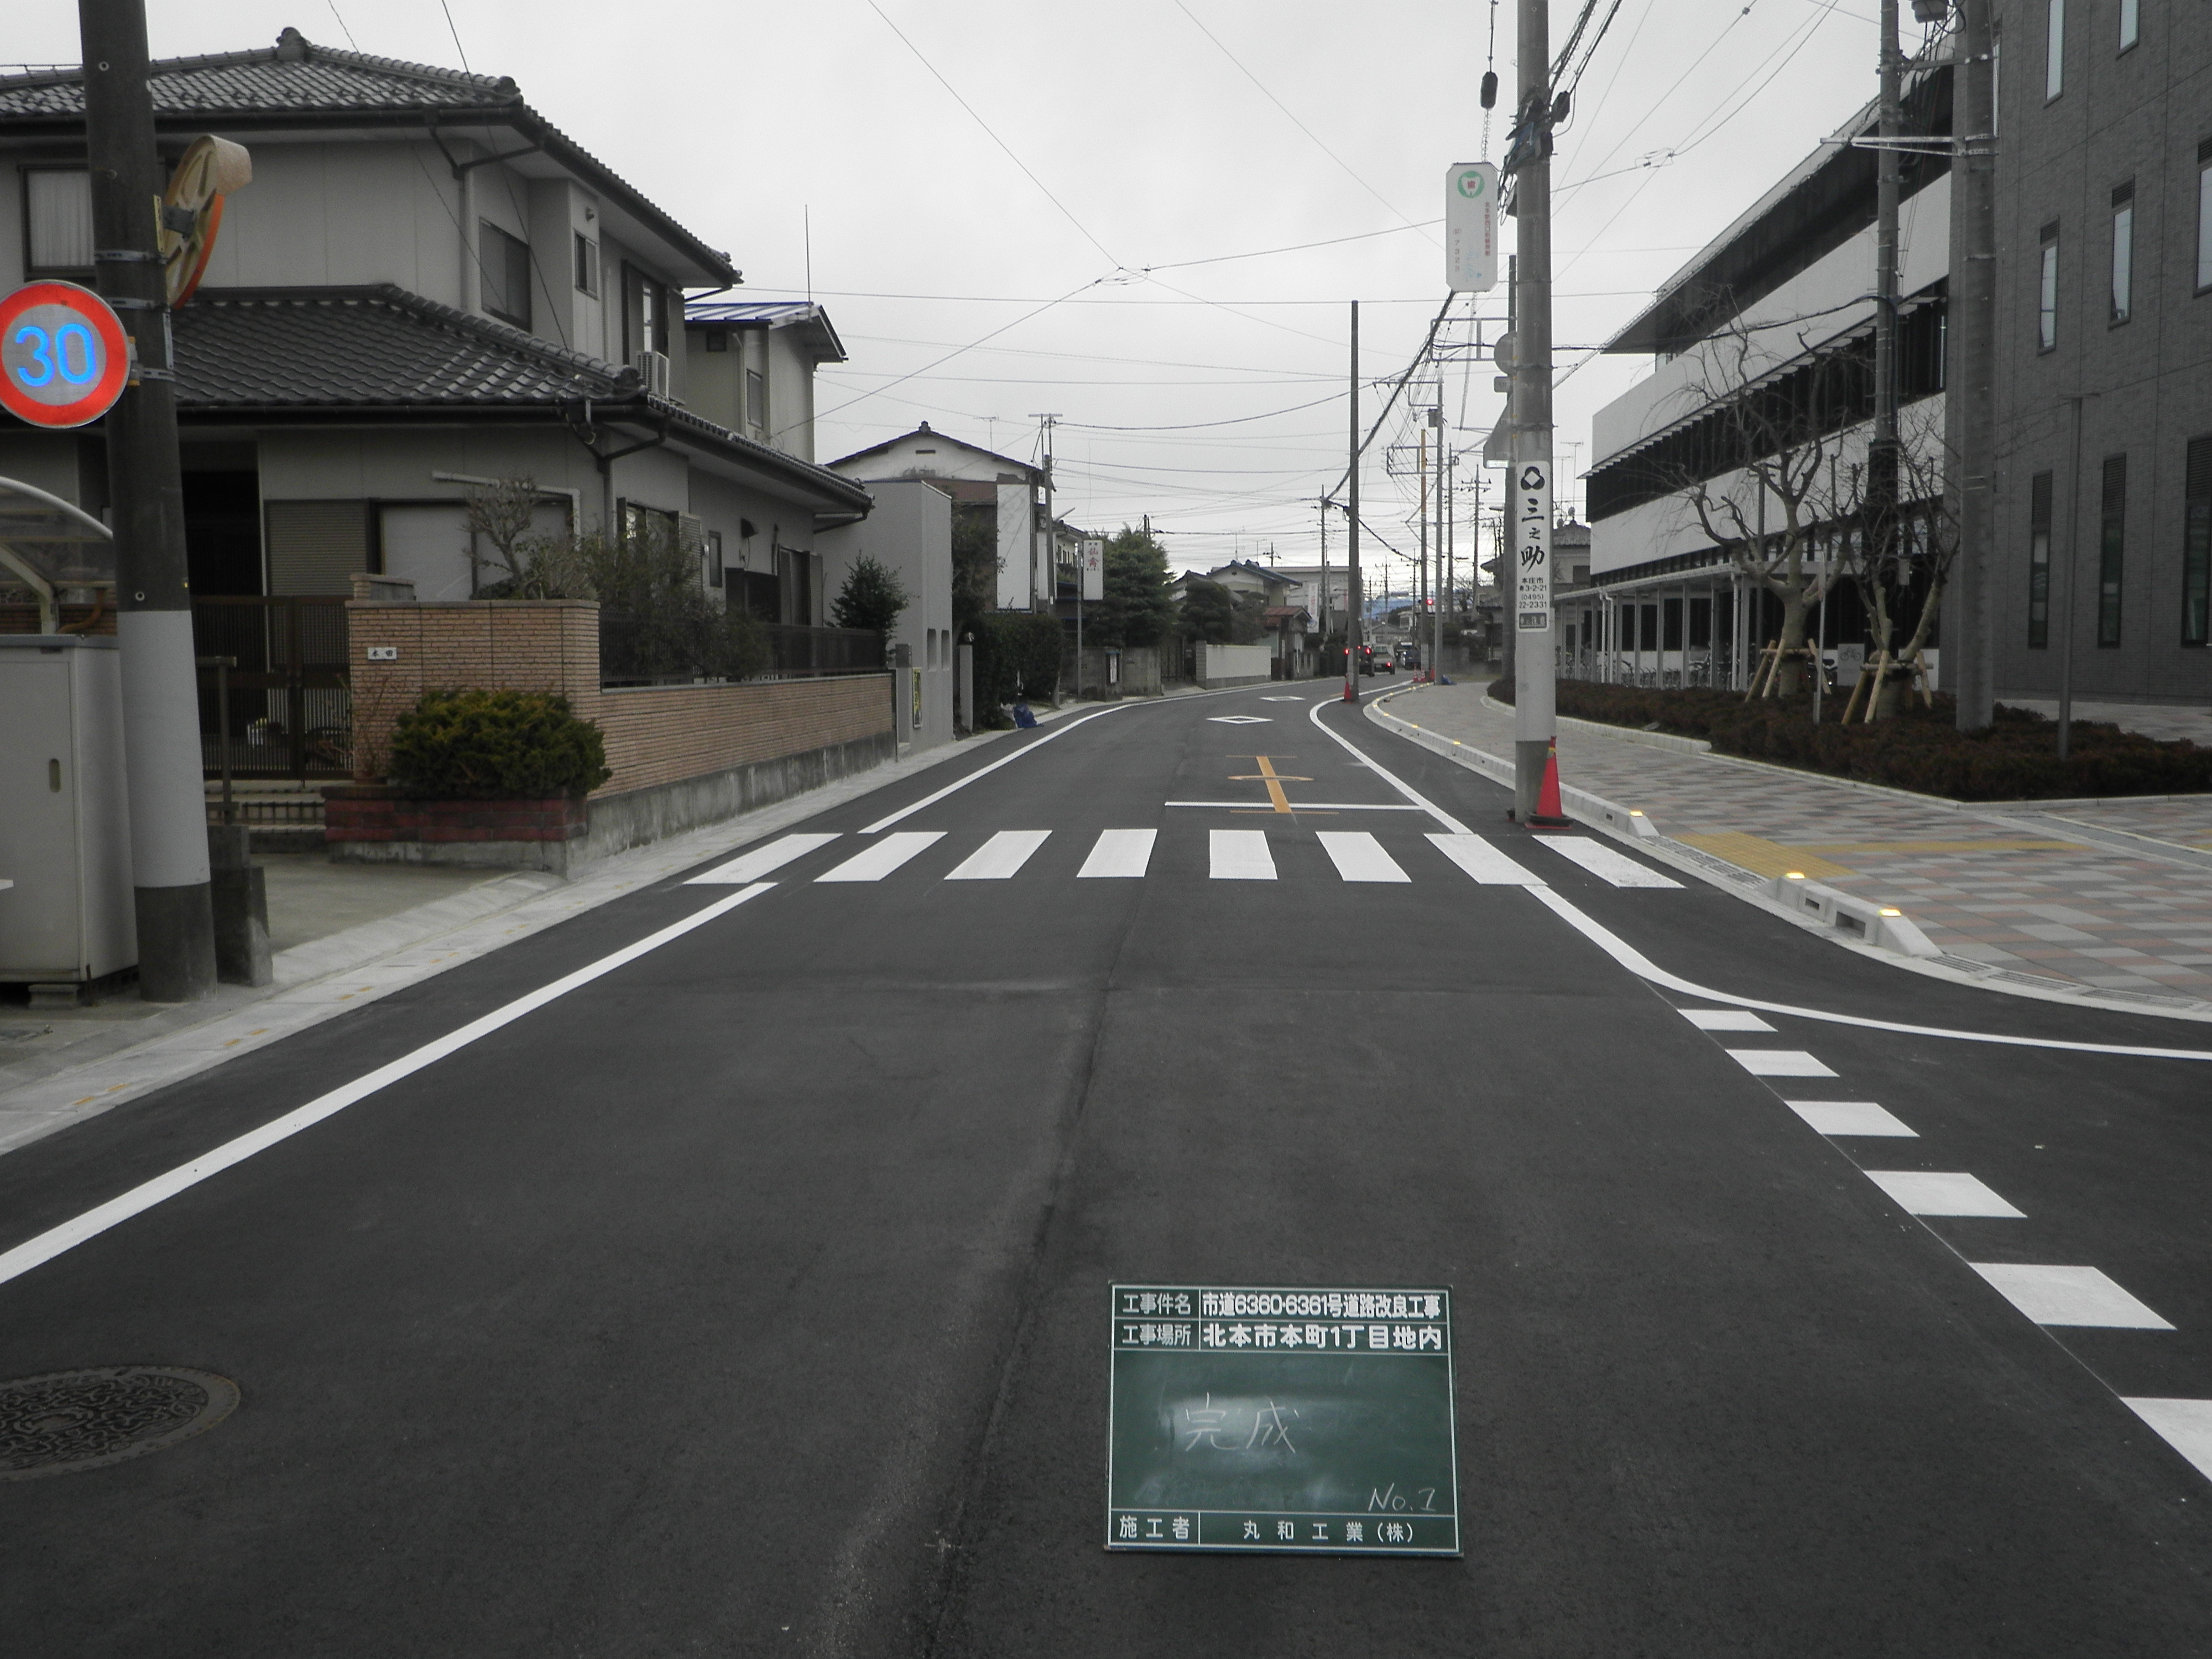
1844, 919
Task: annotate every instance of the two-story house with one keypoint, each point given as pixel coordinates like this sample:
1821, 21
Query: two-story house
428, 285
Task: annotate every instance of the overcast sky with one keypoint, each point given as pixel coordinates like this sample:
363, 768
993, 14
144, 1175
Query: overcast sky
1141, 147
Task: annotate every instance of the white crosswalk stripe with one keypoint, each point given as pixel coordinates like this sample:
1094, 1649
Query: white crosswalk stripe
761, 861
1777, 1062
1001, 857
1852, 1117
1602, 861
2052, 1295
1484, 862
885, 856
1358, 856
1240, 856
1942, 1192
1120, 853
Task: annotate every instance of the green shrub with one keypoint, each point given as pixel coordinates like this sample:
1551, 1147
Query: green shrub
512, 746
2016, 759
1016, 656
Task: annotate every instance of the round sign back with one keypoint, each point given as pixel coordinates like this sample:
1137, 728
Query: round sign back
64, 356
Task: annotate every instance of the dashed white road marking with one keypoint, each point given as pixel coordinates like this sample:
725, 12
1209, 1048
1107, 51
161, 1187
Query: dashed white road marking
2184, 1425
761, 861
1358, 856
1001, 857
1602, 861
1484, 862
1119, 853
1724, 1019
1931, 1192
885, 856
1851, 1117
1777, 1062
2067, 1296
1240, 856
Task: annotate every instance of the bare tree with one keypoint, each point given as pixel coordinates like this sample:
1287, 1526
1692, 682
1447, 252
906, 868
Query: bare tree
521, 562
1901, 552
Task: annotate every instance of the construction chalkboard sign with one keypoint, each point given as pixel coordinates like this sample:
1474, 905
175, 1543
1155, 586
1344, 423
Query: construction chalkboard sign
1308, 1420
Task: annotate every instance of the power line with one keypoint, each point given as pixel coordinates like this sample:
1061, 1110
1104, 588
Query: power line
455, 32
971, 346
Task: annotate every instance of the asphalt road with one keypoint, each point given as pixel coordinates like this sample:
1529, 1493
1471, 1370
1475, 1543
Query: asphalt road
750, 1296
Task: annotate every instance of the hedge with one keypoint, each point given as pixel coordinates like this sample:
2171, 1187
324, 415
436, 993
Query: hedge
1016, 656
2016, 759
495, 745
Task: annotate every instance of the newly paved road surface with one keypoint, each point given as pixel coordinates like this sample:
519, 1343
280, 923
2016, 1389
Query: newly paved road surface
748, 1296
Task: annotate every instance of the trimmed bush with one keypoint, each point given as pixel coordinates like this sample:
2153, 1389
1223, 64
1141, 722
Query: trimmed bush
495, 745
2016, 759
1016, 656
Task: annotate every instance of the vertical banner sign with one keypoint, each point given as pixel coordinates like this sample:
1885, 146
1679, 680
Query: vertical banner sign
1532, 547
1302, 1421
1471, 227
1094, 570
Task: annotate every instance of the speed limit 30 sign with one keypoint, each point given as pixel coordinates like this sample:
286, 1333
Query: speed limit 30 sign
64, 356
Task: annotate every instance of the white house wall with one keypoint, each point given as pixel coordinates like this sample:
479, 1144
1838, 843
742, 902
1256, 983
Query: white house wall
909, 531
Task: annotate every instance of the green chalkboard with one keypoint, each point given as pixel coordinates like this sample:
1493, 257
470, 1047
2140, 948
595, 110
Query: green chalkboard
1312, 1420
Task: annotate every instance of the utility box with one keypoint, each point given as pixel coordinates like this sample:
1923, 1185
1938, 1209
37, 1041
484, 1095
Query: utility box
64, 817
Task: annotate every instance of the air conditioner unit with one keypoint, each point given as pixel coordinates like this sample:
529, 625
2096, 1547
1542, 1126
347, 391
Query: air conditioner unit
652, 367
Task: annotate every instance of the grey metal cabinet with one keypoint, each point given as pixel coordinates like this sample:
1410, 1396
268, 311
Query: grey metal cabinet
64, 817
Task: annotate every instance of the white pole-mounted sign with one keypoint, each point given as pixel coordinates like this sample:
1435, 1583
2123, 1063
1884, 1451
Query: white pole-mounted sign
1094, 570
1532, 547
1471, 227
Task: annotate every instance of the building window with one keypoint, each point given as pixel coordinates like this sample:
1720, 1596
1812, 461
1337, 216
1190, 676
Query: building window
2131, 22
718, 339
56, 222
645, 312
2123, 251
713, 556
756, 401
503, 265
2204, 216
2046, 301
2038, 561
2197, 545
587, 265
2054, 50
2112, 548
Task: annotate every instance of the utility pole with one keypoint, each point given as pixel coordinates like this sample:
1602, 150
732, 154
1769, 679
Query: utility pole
1507, 655
154, 621
1882, 447
1526, 570
1324, 573
1351, 532
1051, 595
2073, 571
1971, 409
1445, 460
1421, 582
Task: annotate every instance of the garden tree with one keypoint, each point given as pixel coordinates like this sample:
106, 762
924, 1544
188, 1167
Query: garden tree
1137, 609
975, 563
1248, 621
1209, 613
1900, 555
512, 559
872, 597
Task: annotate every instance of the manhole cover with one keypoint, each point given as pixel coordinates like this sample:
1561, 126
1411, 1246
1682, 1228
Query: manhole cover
71, 1420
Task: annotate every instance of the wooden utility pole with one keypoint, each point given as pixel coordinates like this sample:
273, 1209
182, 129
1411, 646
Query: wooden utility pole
169, 870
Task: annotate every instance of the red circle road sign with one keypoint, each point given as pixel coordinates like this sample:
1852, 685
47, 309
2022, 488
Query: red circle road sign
64, 357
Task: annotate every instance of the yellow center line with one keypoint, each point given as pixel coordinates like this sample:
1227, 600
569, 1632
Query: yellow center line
1274, 781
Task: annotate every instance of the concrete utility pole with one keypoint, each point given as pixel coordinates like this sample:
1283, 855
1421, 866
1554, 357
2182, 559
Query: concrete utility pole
1971, 409
1443, 595
1421, 579
1351, 630
1526, 572
1324, 573
1050, 597
1881, 447
154, 621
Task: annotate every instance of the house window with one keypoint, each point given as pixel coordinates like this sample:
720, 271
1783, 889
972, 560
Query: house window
2112, 548
2046, 304
2038, 561
503, 265
2131, 22
2204, 216
757, 401
718, 339
2054, 50
2197, 545
2123, 251
587, 265
712, 572
644, 314
56, 222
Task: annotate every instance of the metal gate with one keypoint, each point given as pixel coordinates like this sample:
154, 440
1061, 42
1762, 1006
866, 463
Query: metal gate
291, 709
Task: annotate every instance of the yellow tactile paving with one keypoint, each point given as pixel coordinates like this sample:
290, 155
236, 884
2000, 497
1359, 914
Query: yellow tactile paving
1761, 857
1909, 847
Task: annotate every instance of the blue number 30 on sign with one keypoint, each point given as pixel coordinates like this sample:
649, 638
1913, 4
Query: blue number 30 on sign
64, 356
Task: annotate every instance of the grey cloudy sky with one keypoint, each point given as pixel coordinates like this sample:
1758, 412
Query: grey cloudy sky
1160, 134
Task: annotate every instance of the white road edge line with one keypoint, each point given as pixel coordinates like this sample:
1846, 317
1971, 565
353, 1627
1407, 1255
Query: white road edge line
1389, 777
1641, 966
35, 1252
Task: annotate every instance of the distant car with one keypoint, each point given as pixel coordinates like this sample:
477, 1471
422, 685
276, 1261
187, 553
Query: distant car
1409, 654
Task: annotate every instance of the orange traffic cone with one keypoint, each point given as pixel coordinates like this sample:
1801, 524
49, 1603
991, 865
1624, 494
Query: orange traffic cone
1548, 814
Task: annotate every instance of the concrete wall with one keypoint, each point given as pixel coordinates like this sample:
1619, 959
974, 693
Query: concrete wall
910, 529
1234, 665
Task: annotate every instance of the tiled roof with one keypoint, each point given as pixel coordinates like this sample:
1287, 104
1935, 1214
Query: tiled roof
284, 76
323, 348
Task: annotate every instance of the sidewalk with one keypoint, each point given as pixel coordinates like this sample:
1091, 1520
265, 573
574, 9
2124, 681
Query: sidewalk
2115, 896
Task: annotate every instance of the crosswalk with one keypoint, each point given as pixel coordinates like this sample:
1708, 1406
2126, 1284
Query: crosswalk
1356, 856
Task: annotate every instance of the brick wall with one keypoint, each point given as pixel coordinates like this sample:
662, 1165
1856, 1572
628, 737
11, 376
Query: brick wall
655, 734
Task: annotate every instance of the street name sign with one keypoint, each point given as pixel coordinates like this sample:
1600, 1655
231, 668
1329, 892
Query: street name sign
1532, 547
1303, 1420
64, 356
1471, 227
